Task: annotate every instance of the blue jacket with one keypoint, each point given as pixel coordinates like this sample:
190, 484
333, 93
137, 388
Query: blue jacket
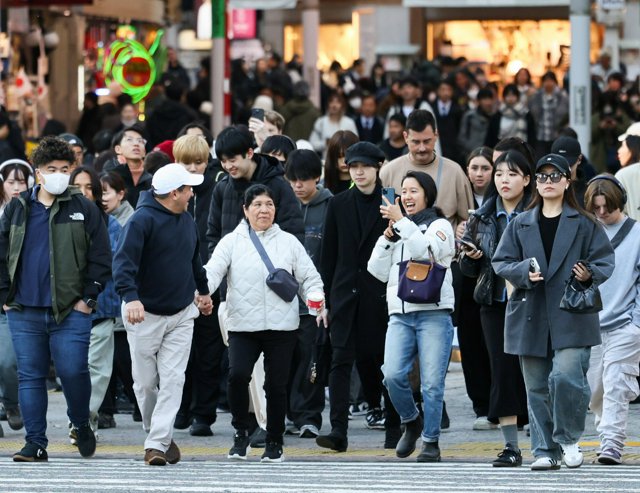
157, 260
109, 301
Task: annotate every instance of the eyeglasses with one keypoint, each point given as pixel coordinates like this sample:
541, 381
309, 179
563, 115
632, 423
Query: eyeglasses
543, 177
131, 140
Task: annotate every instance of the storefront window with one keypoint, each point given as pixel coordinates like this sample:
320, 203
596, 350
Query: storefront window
335, 42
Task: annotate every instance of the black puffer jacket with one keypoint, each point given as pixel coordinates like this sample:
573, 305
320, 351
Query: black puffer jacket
483, 231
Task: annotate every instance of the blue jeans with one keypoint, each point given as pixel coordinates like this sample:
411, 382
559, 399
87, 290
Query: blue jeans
427, 334
8, 370
37, 338
558, 396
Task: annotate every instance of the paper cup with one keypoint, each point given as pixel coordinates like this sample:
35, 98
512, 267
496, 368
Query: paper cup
315, 301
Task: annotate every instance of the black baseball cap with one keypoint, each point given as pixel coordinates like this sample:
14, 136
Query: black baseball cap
557, 161
568, 148
365, 153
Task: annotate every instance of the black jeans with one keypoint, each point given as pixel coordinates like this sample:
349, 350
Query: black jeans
306, 399
473, 348
244, 350
204, 370
122, 372
370, 371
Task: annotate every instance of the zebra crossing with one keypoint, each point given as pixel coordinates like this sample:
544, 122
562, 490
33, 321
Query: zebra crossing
118, 476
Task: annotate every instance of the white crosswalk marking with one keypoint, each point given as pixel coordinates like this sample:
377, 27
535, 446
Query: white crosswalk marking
117, 476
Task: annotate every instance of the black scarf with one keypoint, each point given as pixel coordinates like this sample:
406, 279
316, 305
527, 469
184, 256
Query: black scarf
425, 216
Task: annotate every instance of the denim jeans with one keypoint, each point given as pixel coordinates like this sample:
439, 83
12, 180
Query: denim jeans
427, 334
37, 339
8, 370
558, 396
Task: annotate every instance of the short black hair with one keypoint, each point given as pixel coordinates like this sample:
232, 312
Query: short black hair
205, 131
280, 144
255, 191
232, 141
96, 186
485, 93
399, 118
117, 138
303, 164
510, 89
52, 149
156, 160
419, 120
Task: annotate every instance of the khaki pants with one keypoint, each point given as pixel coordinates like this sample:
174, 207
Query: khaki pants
101, 361
256, 386
160, 348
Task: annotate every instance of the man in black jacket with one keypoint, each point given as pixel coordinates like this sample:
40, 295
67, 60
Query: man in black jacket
204, 370
355, 299
55, 258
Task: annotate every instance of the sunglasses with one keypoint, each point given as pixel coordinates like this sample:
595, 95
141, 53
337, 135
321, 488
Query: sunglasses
543, 177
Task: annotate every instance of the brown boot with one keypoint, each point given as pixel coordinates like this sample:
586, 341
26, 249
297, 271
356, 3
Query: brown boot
173, 453
153, 457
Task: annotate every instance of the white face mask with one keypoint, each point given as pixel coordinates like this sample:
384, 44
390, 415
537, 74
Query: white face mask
355, 103
55, 183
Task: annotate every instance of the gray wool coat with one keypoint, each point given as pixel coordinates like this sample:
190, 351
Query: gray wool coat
533, 314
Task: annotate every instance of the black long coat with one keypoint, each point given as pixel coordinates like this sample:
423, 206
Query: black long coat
356, 300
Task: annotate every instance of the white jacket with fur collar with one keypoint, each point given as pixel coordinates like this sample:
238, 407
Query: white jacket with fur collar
251, 305
414, 244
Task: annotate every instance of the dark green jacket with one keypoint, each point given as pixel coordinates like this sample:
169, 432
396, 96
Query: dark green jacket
80, 254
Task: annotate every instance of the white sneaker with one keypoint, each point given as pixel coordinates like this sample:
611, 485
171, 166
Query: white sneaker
545, 464
482, 423
309, 431
571, 455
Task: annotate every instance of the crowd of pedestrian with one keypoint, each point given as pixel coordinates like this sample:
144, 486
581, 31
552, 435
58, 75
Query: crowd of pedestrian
152, 268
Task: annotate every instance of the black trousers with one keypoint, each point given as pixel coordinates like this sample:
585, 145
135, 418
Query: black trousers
204, 371
473, 348
306, 399
370, 370
508, 394
244, 350
121, 371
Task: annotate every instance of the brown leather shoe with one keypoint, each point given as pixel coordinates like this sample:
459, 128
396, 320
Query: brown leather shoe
153, 457
173, 453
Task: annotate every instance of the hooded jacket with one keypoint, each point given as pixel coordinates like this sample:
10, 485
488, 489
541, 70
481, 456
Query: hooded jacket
313, 215
226, 204
158, 259
300, 115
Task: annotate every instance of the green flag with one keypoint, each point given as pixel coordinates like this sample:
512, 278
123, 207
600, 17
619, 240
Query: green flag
218, 18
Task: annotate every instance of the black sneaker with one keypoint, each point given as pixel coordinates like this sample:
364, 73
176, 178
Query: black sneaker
240, 444
31, 452
259, 438
272, 453
182, 421
85, 440
375, 419
508, 458
200, 429
106, 421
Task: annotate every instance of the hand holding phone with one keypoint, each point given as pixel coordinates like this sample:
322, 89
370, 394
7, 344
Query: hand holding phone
257, 113
390, 194
467, 245
534, 266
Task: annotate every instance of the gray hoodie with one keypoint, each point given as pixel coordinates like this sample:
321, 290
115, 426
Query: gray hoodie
621, 292
314, 214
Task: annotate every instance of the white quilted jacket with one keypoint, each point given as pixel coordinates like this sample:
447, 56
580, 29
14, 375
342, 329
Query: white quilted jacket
251, 305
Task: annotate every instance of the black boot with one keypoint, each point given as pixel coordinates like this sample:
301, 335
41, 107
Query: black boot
444, 421
392, 435
407, 444
430, 452
335, 441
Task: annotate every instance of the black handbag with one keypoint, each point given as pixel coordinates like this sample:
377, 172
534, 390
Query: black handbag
580, 299
320, 358
279, 281
420, 281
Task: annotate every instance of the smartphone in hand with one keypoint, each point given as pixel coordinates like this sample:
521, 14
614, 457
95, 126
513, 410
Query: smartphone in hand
467, 245
257, 113
534, 266
390, 194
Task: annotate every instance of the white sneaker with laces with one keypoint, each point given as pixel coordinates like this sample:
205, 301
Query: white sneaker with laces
482, 423
545, 464
571, 455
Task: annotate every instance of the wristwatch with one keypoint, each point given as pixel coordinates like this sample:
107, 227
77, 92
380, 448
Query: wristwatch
91, 303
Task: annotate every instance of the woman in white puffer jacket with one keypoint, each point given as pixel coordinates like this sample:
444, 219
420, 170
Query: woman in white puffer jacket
258, 320
422, 330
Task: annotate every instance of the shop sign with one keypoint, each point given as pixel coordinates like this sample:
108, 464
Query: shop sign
612, 4
44, 3
262, 4
243, 23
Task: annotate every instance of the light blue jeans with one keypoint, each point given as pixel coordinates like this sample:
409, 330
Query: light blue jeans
427, 334
558, 396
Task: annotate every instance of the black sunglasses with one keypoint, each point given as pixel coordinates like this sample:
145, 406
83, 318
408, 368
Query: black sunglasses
543, 177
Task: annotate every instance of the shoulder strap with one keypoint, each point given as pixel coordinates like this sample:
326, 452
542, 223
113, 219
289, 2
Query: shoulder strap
263, 254
622, 232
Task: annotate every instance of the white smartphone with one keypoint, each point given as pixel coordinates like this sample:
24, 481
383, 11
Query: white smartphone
534, 266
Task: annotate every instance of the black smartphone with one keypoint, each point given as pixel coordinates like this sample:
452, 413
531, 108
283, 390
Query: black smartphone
390, 194
466, 244
257, 113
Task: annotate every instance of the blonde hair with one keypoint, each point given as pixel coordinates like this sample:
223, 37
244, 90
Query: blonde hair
275, 119
190, 148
